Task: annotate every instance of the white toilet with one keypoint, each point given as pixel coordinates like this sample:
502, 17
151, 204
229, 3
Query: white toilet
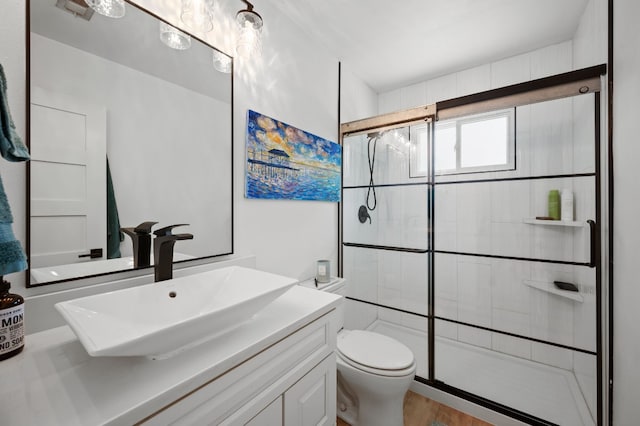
374, 373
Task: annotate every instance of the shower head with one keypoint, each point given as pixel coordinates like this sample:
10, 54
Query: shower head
378, 134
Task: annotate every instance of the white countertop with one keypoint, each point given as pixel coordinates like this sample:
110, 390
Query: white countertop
55, 382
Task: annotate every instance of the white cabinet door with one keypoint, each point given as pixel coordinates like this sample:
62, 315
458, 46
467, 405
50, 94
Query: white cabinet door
270, 416
312, 400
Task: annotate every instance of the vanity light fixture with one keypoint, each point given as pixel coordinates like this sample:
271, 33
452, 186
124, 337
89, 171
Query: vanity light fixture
197, 14
108, 8
221, 62
173, 37
250, 24
78, 8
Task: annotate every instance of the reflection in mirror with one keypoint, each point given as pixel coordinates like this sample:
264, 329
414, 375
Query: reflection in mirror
123, 130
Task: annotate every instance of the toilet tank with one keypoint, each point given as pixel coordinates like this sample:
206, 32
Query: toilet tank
335, 286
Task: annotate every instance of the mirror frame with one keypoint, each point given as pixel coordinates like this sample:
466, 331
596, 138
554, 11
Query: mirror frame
133, 271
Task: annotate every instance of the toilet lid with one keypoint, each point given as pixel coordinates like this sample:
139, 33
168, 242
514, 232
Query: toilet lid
374, 350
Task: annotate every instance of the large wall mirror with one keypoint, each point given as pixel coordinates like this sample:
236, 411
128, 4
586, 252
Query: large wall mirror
122, 130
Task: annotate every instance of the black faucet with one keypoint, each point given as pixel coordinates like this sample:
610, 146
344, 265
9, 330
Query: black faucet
163, 251
141, 237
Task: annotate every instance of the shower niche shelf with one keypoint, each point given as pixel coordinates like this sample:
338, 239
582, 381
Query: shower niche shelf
551, 288
569, 223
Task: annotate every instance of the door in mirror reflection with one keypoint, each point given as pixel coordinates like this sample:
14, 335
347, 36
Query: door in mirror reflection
166, 133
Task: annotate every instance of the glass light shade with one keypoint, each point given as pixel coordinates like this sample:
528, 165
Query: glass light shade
198, 14
250, 24
221, 62
109, 8
173, 37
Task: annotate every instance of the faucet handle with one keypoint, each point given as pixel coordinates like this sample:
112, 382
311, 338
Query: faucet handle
166, 231
144, 228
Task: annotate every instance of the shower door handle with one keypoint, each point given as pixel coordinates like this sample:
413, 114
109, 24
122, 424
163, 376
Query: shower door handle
593, 244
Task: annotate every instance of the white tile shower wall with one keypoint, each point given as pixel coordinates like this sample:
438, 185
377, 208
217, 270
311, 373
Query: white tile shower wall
492, 293
538, 63
474, 301
446, 294
540, 128
399, 219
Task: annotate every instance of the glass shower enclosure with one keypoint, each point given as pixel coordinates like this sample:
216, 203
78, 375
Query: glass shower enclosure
451, 243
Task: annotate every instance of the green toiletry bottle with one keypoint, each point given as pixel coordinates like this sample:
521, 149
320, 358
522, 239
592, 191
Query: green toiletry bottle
554, 204
11, 322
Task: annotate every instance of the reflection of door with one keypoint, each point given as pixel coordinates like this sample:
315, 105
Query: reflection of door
68, 179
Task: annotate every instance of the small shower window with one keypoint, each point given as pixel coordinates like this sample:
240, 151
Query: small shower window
478, 143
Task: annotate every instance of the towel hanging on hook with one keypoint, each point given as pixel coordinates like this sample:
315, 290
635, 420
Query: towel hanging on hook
11, 146
12, 256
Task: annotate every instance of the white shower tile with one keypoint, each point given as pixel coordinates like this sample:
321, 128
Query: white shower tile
473, 80
358, 316
583, 134
511, 345
473, 209
446, 276
474, 336
551, 317
584, 314
507, 288
474, 293
552, 137
441, 88
523, 141
512, 322
414, 96
389, 315
390, 101
551, 60
511, 239
506, 72
551, 355
389, 297
510, 201
415, 322
445, 308
447, 329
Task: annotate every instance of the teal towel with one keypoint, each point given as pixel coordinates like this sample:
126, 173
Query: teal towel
114, 235
12, 257
11, 146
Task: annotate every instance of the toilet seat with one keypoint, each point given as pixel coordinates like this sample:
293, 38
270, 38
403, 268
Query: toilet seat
375, 353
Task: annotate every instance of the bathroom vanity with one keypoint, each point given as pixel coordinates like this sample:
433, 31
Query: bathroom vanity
276, 368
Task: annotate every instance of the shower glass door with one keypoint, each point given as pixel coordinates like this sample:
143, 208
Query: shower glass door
451, 244
385, 234
507, 329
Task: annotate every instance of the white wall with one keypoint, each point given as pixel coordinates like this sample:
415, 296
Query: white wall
161, 171
539, 63
294, 81
626, 154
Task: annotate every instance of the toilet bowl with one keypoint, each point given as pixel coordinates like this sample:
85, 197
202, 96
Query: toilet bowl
374, 374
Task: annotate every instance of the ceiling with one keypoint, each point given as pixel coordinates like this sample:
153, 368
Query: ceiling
133, 41
394, 43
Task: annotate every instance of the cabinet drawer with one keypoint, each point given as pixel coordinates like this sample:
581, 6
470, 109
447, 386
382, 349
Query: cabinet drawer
258, 380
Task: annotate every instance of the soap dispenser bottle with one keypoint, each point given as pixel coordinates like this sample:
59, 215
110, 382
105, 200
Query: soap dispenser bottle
11, 322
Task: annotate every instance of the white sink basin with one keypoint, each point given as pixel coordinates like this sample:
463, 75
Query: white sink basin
161, 319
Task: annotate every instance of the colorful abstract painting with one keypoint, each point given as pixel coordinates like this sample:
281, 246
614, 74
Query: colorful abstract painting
284, 162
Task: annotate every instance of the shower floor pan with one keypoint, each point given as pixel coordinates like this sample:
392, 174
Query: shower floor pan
544, 391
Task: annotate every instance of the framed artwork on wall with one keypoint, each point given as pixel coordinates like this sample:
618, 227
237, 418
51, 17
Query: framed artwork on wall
284, 162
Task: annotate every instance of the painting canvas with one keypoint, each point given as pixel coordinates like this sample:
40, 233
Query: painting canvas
284, 162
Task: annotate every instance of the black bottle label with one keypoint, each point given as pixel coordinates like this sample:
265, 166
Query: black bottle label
11, 329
